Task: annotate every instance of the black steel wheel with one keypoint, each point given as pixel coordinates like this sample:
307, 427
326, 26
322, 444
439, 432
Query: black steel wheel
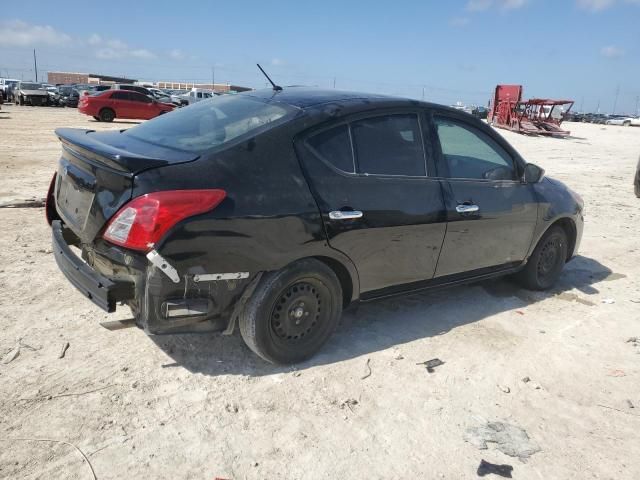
547, 261
292, 312
107, 115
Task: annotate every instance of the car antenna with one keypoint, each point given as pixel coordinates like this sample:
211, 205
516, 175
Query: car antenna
276, 88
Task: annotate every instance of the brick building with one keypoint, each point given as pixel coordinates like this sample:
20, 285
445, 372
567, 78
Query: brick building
218, 87
67, 78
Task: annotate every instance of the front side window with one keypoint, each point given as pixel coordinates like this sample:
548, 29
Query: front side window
211, 123
334, 146
470, 153
138, 97
389, 145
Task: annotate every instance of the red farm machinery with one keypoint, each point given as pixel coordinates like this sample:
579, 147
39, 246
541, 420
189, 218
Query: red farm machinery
537, 116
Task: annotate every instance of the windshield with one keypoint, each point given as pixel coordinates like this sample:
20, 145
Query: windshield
31, 86
211, 123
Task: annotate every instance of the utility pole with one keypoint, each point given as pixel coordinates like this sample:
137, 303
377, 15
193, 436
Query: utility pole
598, 107
581, 104
35, 64
423, 93
615, 102
334, 82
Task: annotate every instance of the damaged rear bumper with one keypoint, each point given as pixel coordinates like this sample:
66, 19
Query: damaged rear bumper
102, 291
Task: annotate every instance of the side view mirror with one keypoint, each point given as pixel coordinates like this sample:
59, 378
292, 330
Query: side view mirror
532, 173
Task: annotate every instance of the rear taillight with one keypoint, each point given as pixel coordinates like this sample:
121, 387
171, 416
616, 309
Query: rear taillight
142, 222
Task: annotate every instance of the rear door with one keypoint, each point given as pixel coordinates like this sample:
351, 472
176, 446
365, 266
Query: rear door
370, 179
121, 103
491, 214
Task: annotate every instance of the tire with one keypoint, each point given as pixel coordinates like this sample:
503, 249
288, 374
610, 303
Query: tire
20, 101
97, 118
547, 261
626, 124
107, 115
292, 312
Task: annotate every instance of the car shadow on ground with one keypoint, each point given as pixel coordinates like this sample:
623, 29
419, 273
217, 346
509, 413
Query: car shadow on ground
126, 122
387, 323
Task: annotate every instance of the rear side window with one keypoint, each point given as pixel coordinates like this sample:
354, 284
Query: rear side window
389, 145
334, 146
120, 95
212, 123
470, 153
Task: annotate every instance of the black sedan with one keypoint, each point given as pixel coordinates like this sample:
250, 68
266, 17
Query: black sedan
275, 210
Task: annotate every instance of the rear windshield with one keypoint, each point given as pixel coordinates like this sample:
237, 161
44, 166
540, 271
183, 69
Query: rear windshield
211, 123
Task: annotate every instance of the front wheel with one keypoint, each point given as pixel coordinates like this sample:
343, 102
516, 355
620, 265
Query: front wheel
292, 312
547, 261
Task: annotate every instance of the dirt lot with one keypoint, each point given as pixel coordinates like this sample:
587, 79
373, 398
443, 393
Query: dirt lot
201, 407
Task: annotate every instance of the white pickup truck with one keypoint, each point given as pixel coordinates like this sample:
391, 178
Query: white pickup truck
196, 95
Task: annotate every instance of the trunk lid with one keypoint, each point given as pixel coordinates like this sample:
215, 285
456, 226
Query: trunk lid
96, 173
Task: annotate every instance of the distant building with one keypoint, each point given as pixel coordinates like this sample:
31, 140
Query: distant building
67, 78
218, 87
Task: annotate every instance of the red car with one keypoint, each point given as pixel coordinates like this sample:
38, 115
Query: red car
109, 104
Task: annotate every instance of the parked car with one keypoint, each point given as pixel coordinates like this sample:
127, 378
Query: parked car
480, 112
30, 93
636, 182
94, 88
635, 122
624, 120
5, 85
71, 100
276, 210
108, 105
163, 97
133, 88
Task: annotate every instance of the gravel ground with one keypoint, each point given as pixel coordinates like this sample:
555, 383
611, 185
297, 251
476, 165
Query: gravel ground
557, 365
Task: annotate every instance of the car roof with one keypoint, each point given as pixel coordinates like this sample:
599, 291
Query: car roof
307, 97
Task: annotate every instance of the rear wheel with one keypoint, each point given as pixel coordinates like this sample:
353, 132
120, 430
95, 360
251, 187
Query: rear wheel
107, 115
626, 123
546, 262
292, 312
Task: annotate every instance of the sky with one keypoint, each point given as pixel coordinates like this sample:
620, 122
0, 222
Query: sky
445, 52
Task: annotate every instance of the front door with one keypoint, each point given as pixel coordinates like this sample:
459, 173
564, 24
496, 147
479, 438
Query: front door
491, 213
370, 180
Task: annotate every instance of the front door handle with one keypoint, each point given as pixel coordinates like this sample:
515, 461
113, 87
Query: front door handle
464, 208
348, 215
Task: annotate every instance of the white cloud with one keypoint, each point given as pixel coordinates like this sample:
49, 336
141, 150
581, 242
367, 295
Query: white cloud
20, 34
481, 5
277, 62
512, 4
95, 39
141, 53
176, 54
459, 21
611, 52
112, 48
595, 5
478, 5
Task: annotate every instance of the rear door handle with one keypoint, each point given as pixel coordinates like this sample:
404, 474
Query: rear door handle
467, 208
348, 215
